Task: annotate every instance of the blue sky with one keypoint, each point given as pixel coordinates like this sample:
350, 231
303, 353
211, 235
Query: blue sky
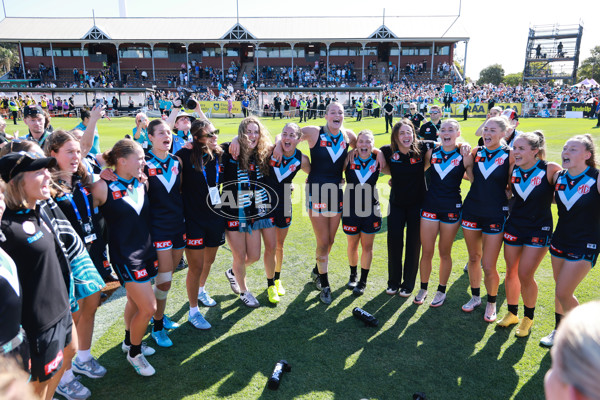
498, 30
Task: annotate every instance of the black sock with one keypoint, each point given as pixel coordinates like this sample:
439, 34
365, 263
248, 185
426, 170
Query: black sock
513, 308
529, 312
158, 324
135, 349
127, 338
364, 273
353, 270
442, 288
476, 292
277, 276
316, 269
424, 285
557, 318
491, 299
270, 282
324, 280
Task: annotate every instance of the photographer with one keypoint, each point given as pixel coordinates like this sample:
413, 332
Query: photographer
181, 122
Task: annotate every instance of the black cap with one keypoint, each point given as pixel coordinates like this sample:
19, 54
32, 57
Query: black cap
15, 163
32, 111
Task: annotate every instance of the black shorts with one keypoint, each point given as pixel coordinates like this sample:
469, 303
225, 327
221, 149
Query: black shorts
527, 237
576, 255
201, 235
490, 226
446, 217
233, 225
136, 273
282, 219
354, 225
46, 349
324, 198
19, 352
167, 241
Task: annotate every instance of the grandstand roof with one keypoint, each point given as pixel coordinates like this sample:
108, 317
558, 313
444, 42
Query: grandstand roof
263, 29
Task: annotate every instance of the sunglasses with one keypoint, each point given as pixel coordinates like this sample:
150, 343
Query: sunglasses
212, 134
434, 112
24, 155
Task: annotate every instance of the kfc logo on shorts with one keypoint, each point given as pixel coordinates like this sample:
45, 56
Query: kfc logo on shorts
499, 161
163, 245
535, 240
151, 171
117, 195
348, 228
452, 215
233, 224
142, 273
288, 220
376, 224
54, 364
196, 242
509, 237
455, 162
494, 226
469, 224
319, 206
536, 180
106, 264
429, 215
583, 189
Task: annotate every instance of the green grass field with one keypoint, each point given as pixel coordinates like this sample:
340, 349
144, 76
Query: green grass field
444, 352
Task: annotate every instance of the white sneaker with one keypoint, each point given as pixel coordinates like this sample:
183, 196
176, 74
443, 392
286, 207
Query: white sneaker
420, 297
548, 341
472, 304
490, 312
141, 365
232, 281
73, 390
438, 300
146, 350
249, 300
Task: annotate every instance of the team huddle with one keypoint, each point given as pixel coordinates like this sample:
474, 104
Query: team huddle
173, 188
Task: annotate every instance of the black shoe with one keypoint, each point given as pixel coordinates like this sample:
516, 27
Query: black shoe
352, 281
359, 290
182, 265
325, 295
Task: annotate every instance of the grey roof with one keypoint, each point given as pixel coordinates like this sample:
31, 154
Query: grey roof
314, 29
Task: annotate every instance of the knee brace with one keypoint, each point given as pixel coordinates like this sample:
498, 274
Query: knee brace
161, 277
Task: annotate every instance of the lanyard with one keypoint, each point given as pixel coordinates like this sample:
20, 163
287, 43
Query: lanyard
216, 174
87, 227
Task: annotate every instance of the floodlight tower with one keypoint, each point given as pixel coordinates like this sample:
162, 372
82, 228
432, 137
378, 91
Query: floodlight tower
122, 9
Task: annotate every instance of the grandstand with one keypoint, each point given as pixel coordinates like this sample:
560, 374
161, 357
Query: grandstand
229, 49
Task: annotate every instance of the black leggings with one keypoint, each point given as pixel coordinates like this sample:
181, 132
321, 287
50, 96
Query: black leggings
399, 275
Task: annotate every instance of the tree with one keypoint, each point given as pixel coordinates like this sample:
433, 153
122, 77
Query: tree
590, 67
513, 79
8, 56
492, 74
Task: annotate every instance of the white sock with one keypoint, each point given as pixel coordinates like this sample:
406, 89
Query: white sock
84, 355
67, 377
200, 289
194, 311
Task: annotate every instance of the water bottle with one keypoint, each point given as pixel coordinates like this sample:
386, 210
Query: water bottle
365, 317
281, 367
